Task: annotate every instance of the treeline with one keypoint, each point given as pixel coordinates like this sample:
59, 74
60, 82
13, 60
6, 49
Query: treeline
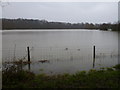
44, 24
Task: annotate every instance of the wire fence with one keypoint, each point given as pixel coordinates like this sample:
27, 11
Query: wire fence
57, 53
62, 59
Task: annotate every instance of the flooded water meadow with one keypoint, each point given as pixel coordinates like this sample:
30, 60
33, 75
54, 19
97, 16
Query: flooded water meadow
61, 51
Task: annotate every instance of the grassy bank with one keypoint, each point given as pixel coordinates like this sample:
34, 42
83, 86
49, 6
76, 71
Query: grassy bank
103, 78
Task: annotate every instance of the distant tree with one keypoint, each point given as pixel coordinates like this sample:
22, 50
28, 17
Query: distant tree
21, 23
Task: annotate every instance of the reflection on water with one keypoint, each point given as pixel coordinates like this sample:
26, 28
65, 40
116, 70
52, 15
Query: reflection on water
55, 52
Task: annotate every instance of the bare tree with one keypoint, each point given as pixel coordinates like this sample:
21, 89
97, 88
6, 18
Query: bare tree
4, 4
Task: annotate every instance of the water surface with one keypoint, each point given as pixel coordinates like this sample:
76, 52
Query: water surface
67, 51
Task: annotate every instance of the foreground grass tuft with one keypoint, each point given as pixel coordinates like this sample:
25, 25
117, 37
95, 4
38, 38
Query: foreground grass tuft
103, 78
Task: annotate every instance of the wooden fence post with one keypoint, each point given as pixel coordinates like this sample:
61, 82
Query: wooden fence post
93, 56
28, 58
28, 54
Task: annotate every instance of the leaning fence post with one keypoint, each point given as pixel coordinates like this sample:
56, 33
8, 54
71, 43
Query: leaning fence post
28, 54
93, 56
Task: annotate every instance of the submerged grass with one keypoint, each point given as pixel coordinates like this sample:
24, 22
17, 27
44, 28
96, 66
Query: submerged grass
103, 78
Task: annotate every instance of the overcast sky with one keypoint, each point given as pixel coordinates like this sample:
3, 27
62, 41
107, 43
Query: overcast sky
74, 12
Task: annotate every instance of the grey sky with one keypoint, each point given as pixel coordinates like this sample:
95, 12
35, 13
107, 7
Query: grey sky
119, 11
74, 12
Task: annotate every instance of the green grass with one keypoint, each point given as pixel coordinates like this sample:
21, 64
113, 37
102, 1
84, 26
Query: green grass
103, 78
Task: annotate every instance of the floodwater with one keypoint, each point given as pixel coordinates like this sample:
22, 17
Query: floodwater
65, 51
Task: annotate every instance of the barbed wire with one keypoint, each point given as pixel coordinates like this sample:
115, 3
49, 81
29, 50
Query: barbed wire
26, 54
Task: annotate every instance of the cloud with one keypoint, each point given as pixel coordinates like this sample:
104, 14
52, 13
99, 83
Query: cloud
95, 12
